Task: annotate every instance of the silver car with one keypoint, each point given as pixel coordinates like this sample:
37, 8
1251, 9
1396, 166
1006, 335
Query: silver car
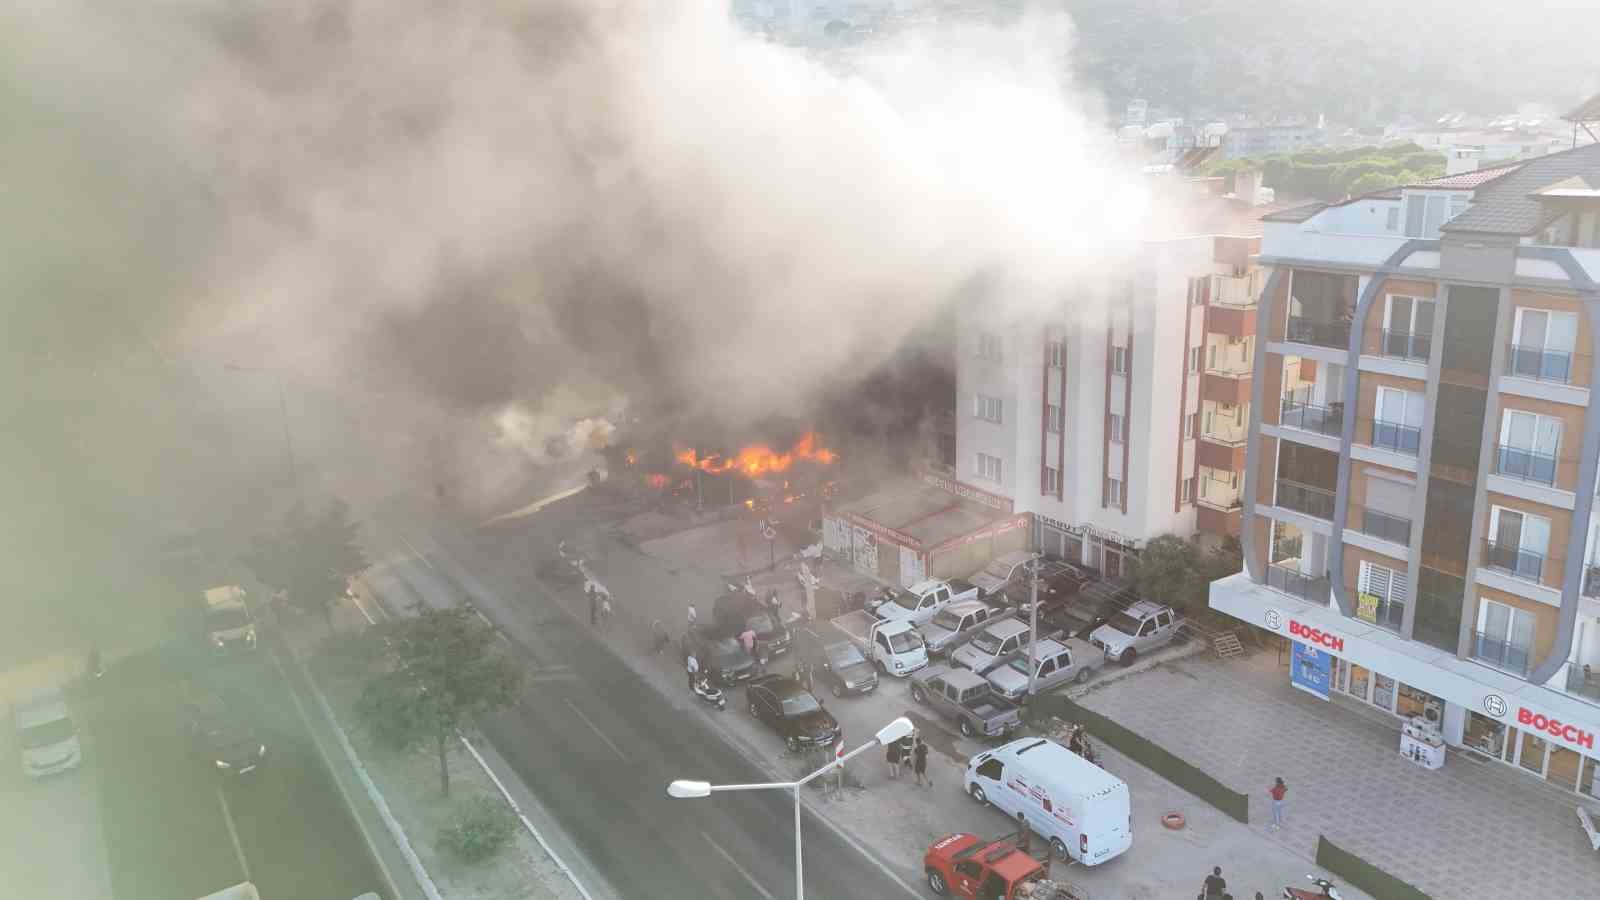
1055, 664
993, 643
49, 739
1141, 628
952, 622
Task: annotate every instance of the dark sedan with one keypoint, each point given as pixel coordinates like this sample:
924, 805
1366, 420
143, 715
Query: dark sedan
791, 711
223, 734
838, 665
721, 657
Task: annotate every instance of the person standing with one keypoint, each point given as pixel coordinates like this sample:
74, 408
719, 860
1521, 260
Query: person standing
903, 747
693, 666
919, 761
747, 637
892, 753
1024, 835
759, 654
605, 609
694, 616
1278, 791
594, 604
1215, 885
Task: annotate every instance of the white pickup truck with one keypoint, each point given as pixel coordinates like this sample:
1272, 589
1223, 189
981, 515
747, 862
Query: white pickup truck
894, 645
918, 604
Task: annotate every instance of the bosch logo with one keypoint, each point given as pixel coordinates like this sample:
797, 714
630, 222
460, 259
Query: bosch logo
1494, 705
1315, 636
1274, 620
1572, 734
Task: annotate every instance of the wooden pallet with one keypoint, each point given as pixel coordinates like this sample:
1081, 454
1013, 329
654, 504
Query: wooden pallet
1227, 645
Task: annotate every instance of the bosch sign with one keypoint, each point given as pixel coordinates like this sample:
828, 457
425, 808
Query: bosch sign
1315, 636
1572, 734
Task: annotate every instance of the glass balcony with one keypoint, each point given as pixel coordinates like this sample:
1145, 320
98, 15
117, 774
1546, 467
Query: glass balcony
1397, 437
1502, 654
1386, 527
1528, 465
1583, 680
1513, 560
1405, 345
1293, 582
1390, 614
1538, 363
1305, 498
1302, 330
1327, 420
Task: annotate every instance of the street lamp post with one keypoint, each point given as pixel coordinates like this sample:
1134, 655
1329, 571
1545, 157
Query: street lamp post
886, 735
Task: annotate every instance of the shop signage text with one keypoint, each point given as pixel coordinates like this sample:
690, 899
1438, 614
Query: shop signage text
1316, 636
1572, 734
1002, 528
968, 492
882, 532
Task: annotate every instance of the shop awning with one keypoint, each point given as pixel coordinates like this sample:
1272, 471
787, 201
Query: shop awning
1557, 717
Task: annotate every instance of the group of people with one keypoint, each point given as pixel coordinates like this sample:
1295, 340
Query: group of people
910, 752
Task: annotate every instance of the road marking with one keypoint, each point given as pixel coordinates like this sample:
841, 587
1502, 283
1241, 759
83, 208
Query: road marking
363, 608
738, 868
416, 552
537, 505
238, 849
592, 727
560, 863
481, 617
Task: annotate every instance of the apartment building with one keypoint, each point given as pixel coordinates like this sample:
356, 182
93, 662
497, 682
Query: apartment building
1421, 457
1116, 419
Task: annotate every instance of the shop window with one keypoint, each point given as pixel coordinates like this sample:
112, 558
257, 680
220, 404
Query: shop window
1533, 750
1563, 768
1586, 779
1485, 735
1411, 701
1359, 677
1383, 692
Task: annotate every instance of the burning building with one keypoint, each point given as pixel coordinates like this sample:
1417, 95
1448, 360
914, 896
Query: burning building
757, 476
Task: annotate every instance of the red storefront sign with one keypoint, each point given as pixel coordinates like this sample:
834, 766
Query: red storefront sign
1568, 732
1316, 636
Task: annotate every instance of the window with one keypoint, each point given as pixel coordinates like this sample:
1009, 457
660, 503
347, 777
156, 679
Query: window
988, 408
1055, 354
1381, 595
1197, 292
1528, 446
1188, 490
1407, 326
1119, 360
1425, 212
1052, 418
1458, 204
990, 467
1114, 491
989, 346
1191, 424
1194, 358
1393, 224
1397, 420
1505, 636
1211, 361
1114, 430
1518, 542
1052, 480
1542, 342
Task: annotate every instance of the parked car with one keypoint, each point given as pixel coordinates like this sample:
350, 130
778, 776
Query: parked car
1055, 662
223, 732
965, 698
1141, 628
793, 712
1003, 570
919, 603
840, 665
894, 645
969, 867
996, 641
1083, 810
47, 735
721, 657
735, 611
952, 622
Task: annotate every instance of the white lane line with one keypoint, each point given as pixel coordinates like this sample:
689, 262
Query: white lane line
592, 727
238, 849
415, 552
481, 617
738, 868
361, 606
560, 863
537, 505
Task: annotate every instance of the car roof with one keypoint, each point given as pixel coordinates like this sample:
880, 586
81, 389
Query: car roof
1014, 558
962, 678
780, 685
226, 597
926, 585
42, 708
1048, 648
1145, 608
962, 607
1006, 628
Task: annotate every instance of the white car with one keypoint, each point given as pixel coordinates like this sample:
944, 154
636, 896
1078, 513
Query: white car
48, 738
1055, 663
1141, 628
1002, 570
996, 641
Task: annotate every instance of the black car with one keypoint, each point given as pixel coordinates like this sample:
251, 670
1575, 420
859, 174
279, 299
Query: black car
839, 665
224, 735
722, 658
735, 611
792, 711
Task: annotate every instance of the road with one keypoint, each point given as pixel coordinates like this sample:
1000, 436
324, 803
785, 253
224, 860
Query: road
597, 745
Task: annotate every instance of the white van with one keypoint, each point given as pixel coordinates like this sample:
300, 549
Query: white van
1082, 809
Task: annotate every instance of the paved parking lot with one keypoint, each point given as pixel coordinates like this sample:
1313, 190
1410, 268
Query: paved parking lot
50, 843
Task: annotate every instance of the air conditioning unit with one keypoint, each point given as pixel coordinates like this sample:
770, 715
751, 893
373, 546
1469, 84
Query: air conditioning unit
1433, 711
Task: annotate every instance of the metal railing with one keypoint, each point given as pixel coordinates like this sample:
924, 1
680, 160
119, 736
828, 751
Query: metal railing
1390, 614
1501, 653
1297, 584
1302, 330
1305, 498
1397, 437
1383, 526
1219, 494
1327, 420
1591, 581
1514, 560
1538, 363
1528, 465
1405, 345
1582, 683
1231, 434
1229, 290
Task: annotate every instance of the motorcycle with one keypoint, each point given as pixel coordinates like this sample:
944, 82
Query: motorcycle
1328, 890
710, 695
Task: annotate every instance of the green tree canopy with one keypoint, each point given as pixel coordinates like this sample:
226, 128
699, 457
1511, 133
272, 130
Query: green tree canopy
311, 559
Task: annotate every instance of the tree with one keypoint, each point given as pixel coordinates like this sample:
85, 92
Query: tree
441, 670
311, 560
1167, 570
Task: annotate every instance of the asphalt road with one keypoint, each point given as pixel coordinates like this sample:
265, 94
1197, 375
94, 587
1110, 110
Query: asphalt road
597, 745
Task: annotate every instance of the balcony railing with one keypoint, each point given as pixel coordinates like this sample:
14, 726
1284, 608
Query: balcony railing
1397, 437
1385, 527
1591, 581
1539, 363
1302, 330
1405, 345
1297, 584
1305, 498
1528, 465
1229, 290
1584, 681
1514, 560
1505, 655
1219, 494
1388, 614
1231, 433
1327, 420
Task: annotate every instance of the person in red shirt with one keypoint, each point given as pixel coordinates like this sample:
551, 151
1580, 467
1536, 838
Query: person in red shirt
1278, 791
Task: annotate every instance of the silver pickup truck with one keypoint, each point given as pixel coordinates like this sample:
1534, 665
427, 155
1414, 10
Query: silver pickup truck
965, 697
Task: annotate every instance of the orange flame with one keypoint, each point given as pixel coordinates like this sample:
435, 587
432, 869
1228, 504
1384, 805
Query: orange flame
656, 480
759, 459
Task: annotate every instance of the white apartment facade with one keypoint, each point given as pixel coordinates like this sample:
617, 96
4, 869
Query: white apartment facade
1116, 418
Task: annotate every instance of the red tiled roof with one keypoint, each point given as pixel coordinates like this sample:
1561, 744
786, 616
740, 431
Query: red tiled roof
1466, 181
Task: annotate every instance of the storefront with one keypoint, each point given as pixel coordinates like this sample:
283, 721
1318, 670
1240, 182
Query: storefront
1107, 552
923, 529
1539, 731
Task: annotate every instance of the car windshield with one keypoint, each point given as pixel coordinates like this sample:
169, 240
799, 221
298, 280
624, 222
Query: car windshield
47, 733
1124, 623
842, 656
1019, 666
906, 601
800, 704
948, 621
760, 623
222, 619
905, 641
988, 642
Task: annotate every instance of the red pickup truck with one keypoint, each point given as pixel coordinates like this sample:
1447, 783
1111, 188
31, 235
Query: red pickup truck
965, 865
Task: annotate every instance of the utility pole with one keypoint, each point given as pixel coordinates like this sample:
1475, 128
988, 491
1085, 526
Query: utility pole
1033, 626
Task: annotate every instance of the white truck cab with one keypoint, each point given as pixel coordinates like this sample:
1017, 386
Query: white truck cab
919, 603
229, 624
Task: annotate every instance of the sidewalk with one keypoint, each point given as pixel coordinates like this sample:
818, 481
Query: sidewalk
1470, 830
